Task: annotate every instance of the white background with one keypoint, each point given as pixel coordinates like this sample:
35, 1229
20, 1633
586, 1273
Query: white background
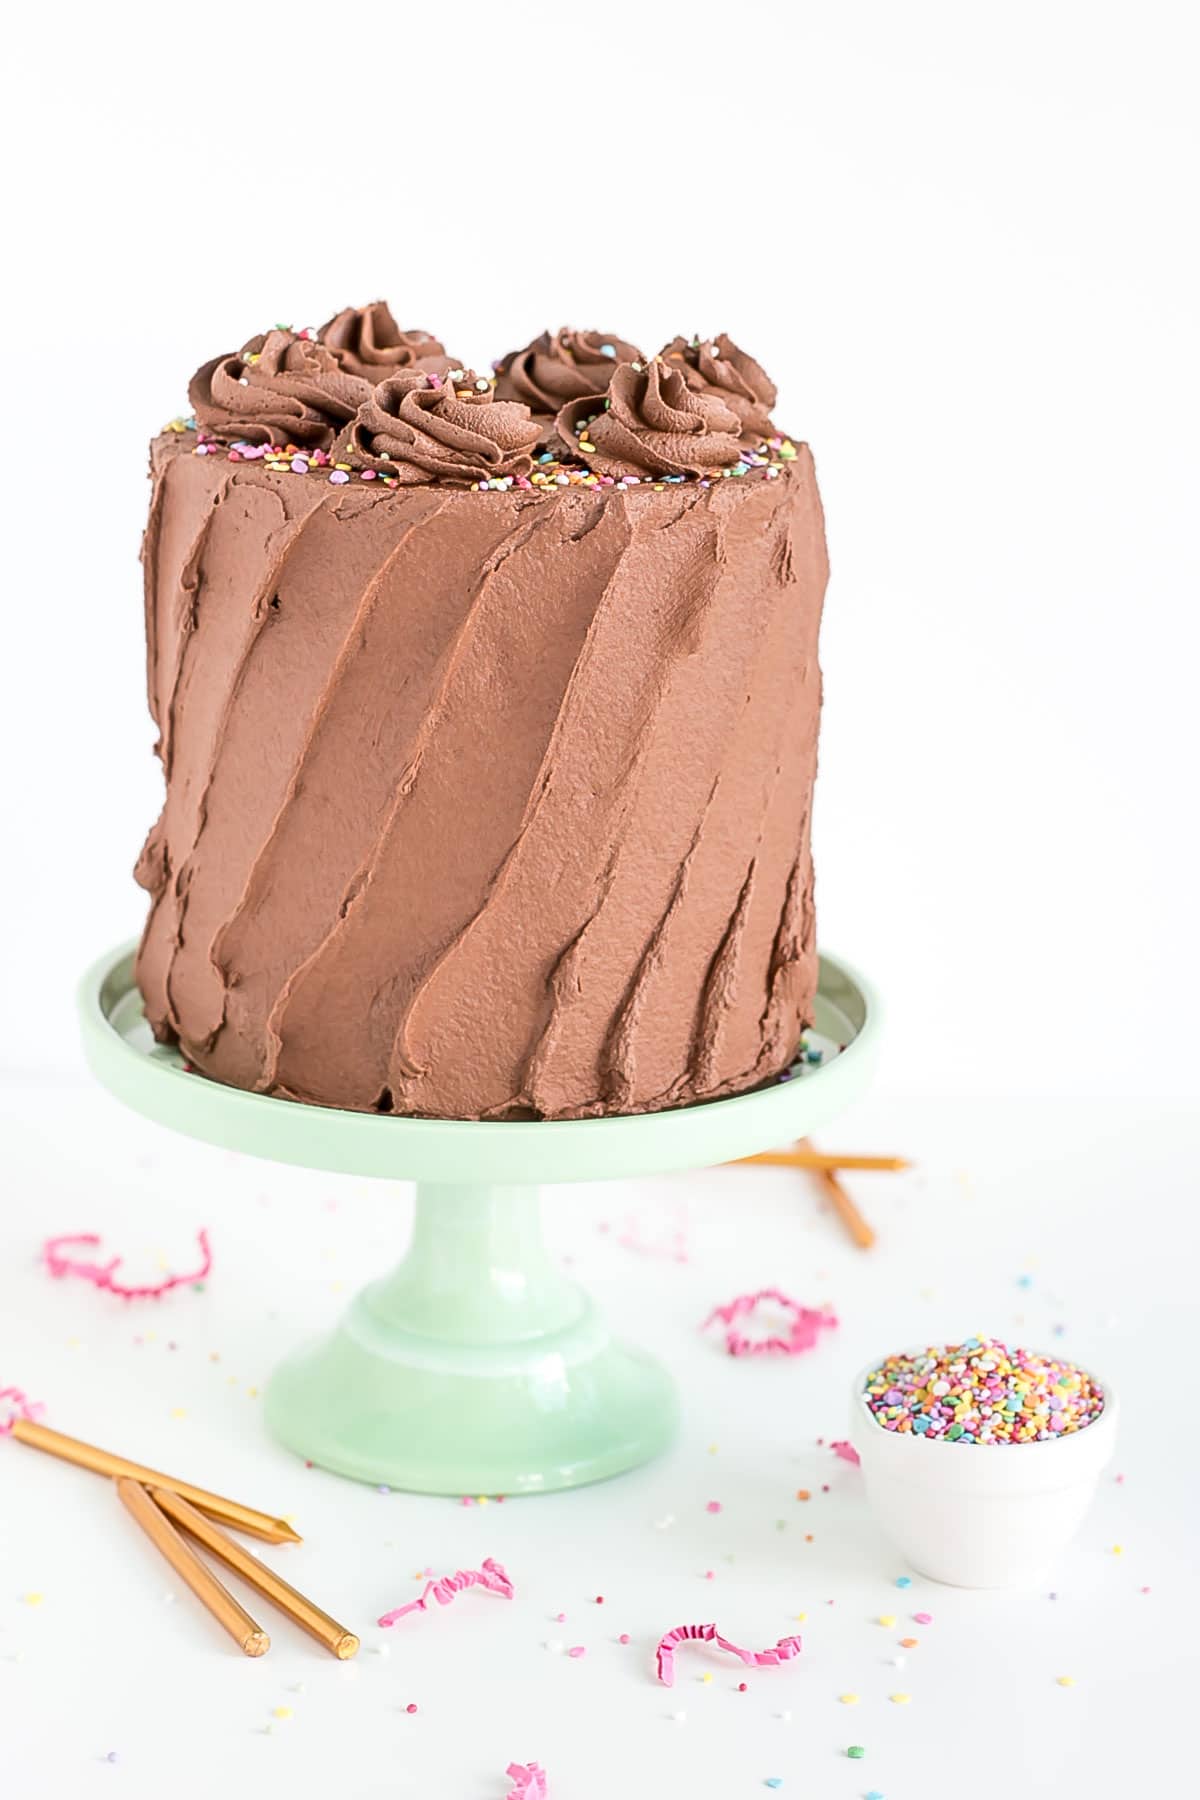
962, 239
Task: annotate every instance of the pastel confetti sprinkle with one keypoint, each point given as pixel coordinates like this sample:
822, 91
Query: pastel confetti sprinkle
904, 1581
845, 1451
714, 1506
848, 1699
899, 1699
982, 1391
802, 1333
781, 1652
490, 1576
855, 1752
1065, 1680
577, 1650
887, 1618
528, 1781
103, 1275
923, 1618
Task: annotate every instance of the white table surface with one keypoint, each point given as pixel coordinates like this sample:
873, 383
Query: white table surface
1073, 1226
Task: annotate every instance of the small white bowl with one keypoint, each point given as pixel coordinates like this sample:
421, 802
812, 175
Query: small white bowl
980, 1515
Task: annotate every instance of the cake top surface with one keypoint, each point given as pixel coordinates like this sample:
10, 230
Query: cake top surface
360, 398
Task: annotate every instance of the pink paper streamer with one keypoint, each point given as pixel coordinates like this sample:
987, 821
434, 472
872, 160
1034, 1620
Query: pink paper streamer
491, 1576
782, 1652
103, 1275
16, 1405
805, 1328
528, 1781
846, 1451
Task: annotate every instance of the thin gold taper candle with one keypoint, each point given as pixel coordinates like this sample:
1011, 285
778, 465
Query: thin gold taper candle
843, 1205
246, 1632
825, 1159
327, 1631
103, 1462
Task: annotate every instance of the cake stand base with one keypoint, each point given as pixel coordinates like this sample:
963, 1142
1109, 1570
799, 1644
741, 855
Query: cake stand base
476, 1367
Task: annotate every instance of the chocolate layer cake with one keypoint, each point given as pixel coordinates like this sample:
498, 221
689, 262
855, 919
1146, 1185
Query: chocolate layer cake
488, 714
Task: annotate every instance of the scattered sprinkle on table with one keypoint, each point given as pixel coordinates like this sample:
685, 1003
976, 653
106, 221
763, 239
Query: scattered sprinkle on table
909, 1643
904, 1581
899, 1699
714, 1506
281, 1712
848, 1699
773, 1781
982, 1391
1065, 1680
923, 1618
855, 1752
33, 1599
887, 1618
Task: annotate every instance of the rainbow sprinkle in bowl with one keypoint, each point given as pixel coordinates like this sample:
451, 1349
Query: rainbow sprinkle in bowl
985, 1520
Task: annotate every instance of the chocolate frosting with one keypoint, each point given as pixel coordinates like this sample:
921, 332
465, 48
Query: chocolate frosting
561, 366
716, 366
280, 388
653, 424
482, 805
419, 429
367, 341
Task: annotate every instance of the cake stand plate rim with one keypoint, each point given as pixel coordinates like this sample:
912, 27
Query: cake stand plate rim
151, 1081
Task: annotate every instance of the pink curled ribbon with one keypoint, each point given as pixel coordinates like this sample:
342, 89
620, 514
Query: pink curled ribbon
491, 1576
528, 1781
103, 1275
16, 1405
806, 1324
782, 1652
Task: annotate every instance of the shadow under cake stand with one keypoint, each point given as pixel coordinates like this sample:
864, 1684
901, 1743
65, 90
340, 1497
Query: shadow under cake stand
476, 1366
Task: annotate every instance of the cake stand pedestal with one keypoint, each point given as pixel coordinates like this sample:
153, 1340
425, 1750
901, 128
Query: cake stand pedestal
476, 1366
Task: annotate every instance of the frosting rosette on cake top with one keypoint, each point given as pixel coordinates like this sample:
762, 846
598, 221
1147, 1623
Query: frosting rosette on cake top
367, 341
561, 366
419, 427
716, 366
281, 387
652, 423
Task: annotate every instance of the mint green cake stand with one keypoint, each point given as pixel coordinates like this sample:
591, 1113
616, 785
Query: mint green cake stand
476, 1366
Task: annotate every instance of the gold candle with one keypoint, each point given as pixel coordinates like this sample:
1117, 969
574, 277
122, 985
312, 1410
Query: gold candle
245, 1631
280, 1593
103, 1462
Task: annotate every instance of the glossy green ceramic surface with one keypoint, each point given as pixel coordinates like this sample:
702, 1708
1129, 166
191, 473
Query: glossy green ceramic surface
476, 1367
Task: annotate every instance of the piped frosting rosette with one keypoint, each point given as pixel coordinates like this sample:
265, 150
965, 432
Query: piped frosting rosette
651, 423
366, 341
419, 428
281, 387
561, 366
716, 367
